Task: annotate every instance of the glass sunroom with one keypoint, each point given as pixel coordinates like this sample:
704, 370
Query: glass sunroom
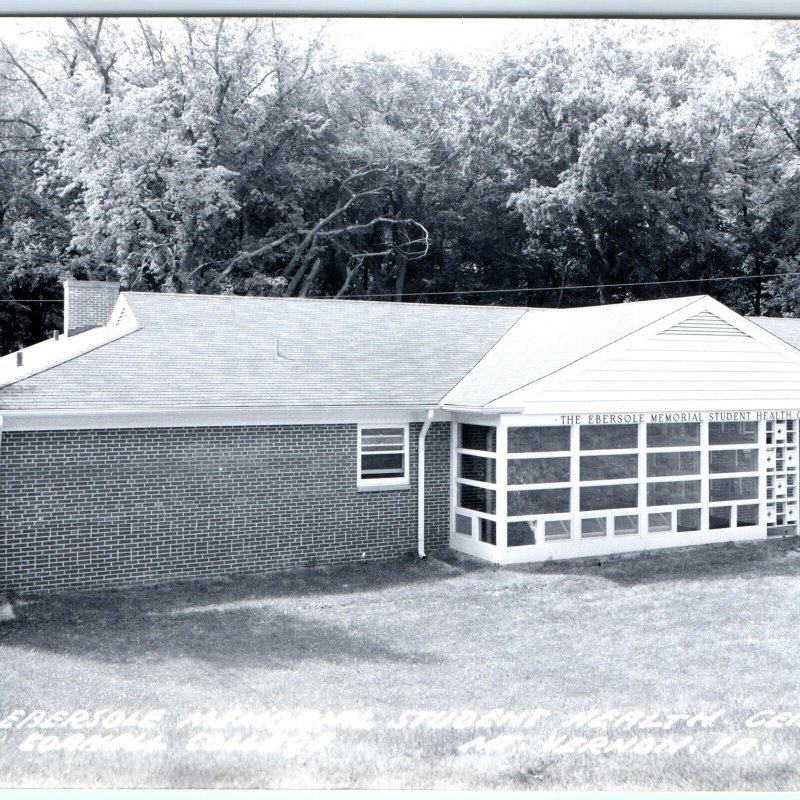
527, 491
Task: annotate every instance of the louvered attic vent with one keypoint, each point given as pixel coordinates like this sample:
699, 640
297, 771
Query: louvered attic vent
704, 324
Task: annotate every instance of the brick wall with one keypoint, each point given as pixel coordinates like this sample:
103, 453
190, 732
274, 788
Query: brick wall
88, 304
101, 508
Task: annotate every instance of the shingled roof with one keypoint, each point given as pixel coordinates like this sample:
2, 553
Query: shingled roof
208, 351
220, 351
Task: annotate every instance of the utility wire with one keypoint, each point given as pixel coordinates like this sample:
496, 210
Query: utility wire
517, 291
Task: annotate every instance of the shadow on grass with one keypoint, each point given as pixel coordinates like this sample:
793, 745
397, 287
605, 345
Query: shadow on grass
234, 621
726, 561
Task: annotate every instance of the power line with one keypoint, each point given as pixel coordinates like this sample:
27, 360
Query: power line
585, 286
514, 291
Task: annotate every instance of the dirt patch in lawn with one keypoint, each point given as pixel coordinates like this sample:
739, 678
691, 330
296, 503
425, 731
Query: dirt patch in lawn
446, 673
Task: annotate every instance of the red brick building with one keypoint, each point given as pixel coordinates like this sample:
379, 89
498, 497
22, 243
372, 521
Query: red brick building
178, 436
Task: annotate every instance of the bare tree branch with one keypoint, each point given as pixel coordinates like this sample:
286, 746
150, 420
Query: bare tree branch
12, 59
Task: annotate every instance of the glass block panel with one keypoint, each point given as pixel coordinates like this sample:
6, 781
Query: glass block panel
557, 530
478, 437
673, 493
538, 470
732, 432
593, 527
626, 524
734, 489
688, 519
719, 517
619, 495
547, 438
464, 524
476, 499
673, 434
662, 464
660, 522
610, 467
382, 465
747, 515
488, 531
476, 468
609, 437
522, 533
733, 460
528, 502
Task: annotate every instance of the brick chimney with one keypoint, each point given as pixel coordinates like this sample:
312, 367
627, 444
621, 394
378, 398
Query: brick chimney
88, 304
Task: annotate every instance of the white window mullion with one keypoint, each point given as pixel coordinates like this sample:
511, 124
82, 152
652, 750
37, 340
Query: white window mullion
575, 480
705, 485
643, 518
501, 479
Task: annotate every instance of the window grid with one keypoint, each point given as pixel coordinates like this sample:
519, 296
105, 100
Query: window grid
387, 441
631, 521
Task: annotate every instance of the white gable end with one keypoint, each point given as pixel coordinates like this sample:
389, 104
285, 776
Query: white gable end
708, 359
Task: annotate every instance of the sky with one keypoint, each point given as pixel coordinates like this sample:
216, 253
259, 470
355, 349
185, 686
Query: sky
407, 38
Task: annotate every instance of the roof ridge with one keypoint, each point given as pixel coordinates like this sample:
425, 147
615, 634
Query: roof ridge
392, 303
691, 300
483, 357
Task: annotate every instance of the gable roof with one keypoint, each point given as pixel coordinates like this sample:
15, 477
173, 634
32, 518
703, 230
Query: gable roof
220, 351
540, 345
210, 351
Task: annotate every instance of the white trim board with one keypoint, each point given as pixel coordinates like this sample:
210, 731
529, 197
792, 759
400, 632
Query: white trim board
210, 417
51, 353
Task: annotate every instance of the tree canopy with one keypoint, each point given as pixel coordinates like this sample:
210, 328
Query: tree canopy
248, 156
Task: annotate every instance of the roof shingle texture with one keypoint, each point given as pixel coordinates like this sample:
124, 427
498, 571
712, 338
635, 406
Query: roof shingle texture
540, 344
219, 351
786, 328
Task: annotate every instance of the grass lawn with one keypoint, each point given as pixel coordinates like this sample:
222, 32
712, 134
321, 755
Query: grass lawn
686, 632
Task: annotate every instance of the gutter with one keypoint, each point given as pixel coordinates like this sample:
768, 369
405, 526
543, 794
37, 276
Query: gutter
482, 410
421, 484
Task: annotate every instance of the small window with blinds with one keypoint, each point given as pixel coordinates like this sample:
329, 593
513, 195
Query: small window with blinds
382, 456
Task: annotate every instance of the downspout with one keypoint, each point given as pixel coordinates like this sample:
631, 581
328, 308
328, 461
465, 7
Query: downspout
421, 485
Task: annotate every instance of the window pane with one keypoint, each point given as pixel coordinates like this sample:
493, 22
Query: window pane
556, 530
384, 465
746, 516
689, 519
382, 439
609, 437
476, 468
733, 461
522, 533
593, 527
626, 524
528, 502
660, 522
673, 493
476, 499
538, 470
661, 464
719, 517
608, 468
488, 531
734, 489
595, 498
478, 437
464, 524
538, 439
672, 434
732, 432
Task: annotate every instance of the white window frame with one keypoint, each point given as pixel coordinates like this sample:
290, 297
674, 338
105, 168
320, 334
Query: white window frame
398, 482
